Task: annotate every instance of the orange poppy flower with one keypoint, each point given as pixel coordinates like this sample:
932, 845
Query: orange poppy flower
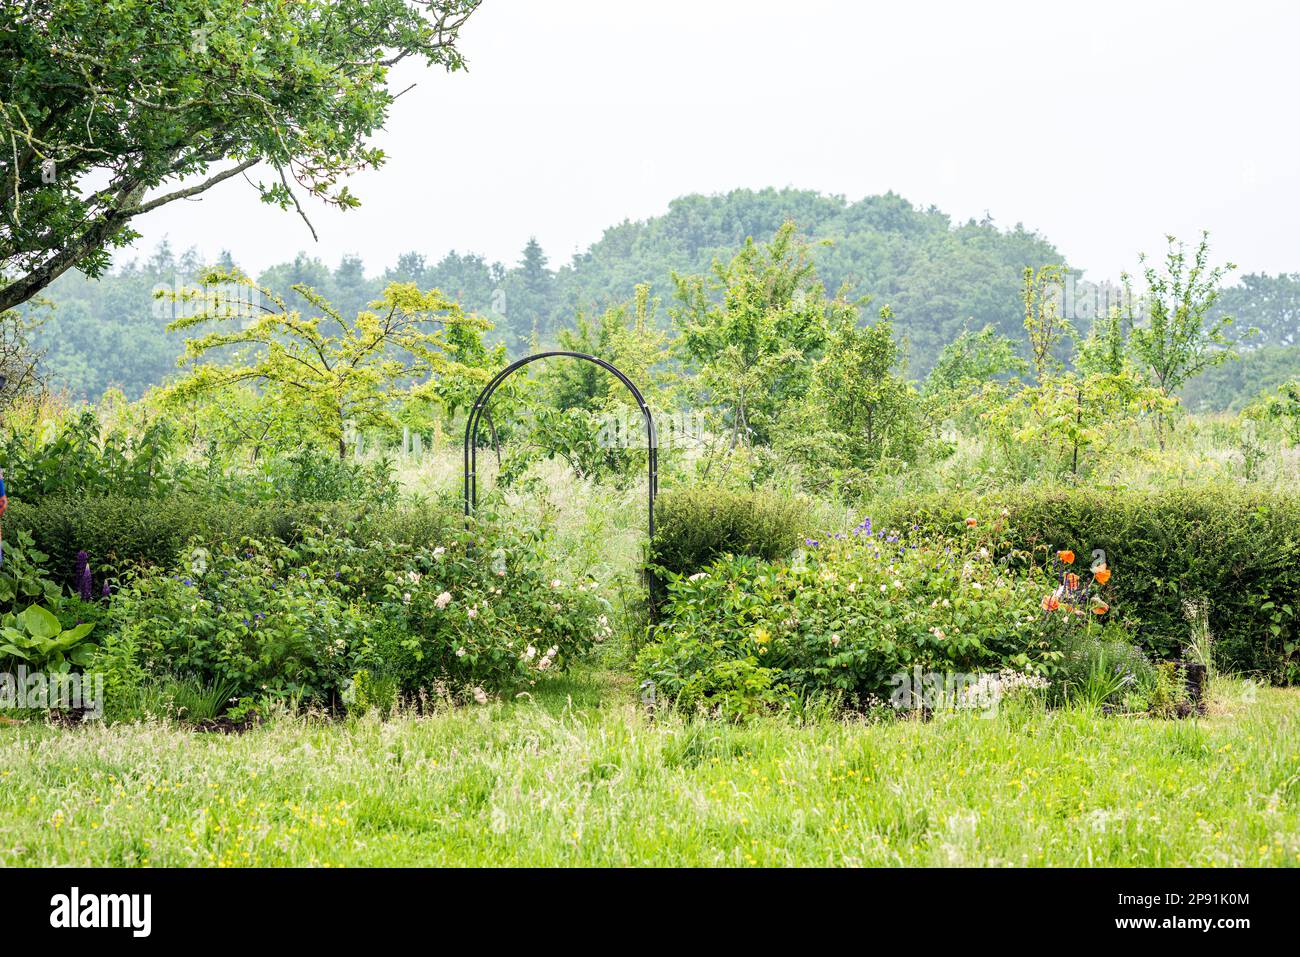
1066, 556
1101, 575
1072, 581
1100, 608
1051, 603
970, 523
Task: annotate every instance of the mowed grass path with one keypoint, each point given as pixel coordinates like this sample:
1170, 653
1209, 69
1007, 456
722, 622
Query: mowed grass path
583, 777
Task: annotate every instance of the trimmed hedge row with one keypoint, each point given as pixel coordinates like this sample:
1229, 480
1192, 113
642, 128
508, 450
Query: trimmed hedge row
120, 532
1237, 549
696, 524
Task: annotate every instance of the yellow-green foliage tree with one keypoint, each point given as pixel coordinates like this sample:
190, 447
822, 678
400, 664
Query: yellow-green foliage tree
326, 374
1067, 417
626, 334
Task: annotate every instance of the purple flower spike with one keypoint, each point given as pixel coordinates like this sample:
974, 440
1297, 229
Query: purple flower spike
84, 585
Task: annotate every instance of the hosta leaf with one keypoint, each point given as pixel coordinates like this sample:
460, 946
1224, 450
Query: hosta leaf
82, 655
40, 622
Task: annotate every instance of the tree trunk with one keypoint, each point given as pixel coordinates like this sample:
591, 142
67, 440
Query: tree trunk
95, 236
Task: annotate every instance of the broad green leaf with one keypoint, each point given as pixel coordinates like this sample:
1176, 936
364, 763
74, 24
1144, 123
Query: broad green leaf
40, 622
82, 655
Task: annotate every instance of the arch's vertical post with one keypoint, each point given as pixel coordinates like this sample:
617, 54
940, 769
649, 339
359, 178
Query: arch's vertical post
470, 452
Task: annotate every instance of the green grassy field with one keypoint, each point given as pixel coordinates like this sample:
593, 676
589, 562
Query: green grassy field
582, 776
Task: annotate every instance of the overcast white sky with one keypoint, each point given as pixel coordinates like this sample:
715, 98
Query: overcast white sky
1102, 125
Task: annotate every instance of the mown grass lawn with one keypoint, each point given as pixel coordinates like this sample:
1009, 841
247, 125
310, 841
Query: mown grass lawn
581, 776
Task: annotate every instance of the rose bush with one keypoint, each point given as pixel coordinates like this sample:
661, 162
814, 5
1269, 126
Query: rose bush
471, 616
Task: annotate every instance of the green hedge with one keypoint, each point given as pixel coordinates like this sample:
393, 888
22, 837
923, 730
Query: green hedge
696, 524
1238, 549
119, 532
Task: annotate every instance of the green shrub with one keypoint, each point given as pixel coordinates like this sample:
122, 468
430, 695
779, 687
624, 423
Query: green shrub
714, 683
847, 621
311, 475
80, 458
260, 620
126, 686
338, 621
696, 524
477, 615
121, 533
1234, 548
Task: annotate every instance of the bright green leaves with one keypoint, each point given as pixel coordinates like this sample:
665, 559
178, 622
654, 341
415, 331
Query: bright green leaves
325, 375
753, 330
36, 638
141, 95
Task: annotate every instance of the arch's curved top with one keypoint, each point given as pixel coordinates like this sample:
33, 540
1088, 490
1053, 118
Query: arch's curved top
480, 404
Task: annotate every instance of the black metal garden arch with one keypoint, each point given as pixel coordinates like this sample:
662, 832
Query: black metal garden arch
480, 405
